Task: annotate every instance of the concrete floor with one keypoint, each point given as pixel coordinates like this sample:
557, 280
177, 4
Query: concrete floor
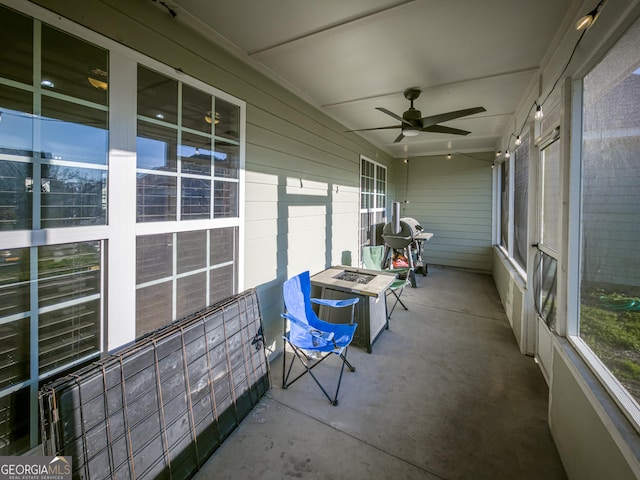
445, 394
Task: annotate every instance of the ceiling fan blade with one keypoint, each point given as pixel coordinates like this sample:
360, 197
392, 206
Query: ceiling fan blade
399, 138
391, 114
443, 129
444, 117
374, 128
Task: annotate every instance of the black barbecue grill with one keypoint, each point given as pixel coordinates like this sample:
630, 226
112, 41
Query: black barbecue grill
406, 236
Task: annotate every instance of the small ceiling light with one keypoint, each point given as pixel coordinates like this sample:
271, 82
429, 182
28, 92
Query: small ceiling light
410, 131
449, 157
590, 18
507, 154
538, 115
518, 141
159, 116
47, 83
498, 153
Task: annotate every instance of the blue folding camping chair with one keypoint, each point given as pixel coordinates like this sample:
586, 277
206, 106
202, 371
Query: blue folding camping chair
309, 336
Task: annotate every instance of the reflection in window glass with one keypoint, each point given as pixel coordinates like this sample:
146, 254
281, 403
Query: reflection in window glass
196, 109
504, 204
610, 212
14, 355
14, 281
192, 251
16, 122
226, 160
225, 202
156, 198
14, 422
223, 283
73, 196
205, 272
156, 147
196, 198
75, 133
74, 67
195, 154
68, 334
223, 245
191, 294
227, 120
68, 272
16, 62
157, 96
153, 307
154, 257
520, 199
550, 195
16, 187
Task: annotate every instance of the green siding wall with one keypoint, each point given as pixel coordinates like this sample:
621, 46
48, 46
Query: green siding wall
451, 199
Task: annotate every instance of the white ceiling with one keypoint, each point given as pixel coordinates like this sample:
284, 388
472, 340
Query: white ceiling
349, 56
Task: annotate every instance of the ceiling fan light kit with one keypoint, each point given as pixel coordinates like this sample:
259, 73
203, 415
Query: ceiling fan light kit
412, 122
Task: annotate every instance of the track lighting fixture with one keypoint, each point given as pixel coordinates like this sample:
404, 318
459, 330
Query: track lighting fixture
518, 141
507, 154
498, 153
590, 18
449, 157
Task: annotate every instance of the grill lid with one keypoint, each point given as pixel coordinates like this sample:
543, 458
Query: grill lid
410, 230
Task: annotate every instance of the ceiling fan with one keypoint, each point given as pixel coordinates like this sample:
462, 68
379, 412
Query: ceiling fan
412, 123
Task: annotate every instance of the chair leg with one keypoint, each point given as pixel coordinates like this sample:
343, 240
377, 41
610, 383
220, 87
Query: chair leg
396, 302
308, 367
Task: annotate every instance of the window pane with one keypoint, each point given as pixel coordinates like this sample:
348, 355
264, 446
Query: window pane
226, 160
196, 109
16, 199
74, 67
610, 212
520, 199
153, 307
191, 294
73, 132
504, 204
14, 352
154, 257
227, 120
223, 245
156, 198
68, 272
156, 147
196, 198
192, 251
68, 334
14, 281
17, 122
225, 200
551, 202
157, 96
16, 62
14, 422
195, 154
73, 196
222, 283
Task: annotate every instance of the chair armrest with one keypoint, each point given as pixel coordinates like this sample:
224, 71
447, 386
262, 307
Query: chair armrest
314, 332
347, 302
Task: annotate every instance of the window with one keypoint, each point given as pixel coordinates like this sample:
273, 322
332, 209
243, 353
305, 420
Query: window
180, 273
520, 203
609, 266
65, 239
504, 204
188, 157
53, 175
373, 197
